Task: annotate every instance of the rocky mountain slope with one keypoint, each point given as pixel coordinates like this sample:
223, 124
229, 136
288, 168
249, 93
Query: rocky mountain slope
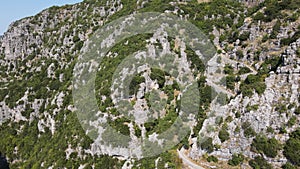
248, 113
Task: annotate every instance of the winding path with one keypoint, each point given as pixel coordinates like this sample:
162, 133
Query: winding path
186, 160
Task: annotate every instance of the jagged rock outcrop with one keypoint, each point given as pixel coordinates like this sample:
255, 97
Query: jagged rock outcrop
37, 57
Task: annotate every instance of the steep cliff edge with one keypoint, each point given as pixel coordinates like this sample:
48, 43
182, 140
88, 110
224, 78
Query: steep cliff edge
258, 53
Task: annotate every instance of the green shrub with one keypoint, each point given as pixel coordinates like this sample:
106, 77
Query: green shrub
230, 82
78, 45
272, 11
207, 145
297, 110
270, 130
244, 70
292, 121
233, 37
228, 69
239, 54
259, 16
195, 61
292, 148
252, 108
76, 39
223, 135
3, 94
288, 166
135, 84
212, 159
248, 130
238, 114
229, 119
159, 75
237, 129
282, 130
265, 38
275, 30
289, 40
281, 108
269, 147
253, 82
259, 163
244, 36
236, 160
119, 125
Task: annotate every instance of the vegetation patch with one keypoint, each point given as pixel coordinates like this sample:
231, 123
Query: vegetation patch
269, 147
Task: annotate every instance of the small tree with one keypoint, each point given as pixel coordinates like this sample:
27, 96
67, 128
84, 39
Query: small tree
207, 145
223, 135
212, 159
292, 148
269, 147
236, 160
259, 162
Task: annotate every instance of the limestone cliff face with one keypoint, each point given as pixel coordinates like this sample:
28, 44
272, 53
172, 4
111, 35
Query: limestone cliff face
55, 36
38, 54
265, 112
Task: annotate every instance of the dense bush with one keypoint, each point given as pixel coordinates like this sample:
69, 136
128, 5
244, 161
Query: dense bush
237, 159
244, 70
244, 36
160, 125
259, 163
297, 110
119, 125
135, 84
275, 30
265, 38
212, 159
159, 75
223, 135
233, 37
199, 10
290, 40
228, 69
248, 130
239, 54
253, 82
269, 65
207, 145
78, 45
292, 121
170, 157
259, 16
207, 94
37, 147
273, 9
288, 166
3, 94
195, 61
269, 147
292, 148
230, 82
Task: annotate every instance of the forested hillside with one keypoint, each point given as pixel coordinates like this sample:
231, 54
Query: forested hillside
248, 111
